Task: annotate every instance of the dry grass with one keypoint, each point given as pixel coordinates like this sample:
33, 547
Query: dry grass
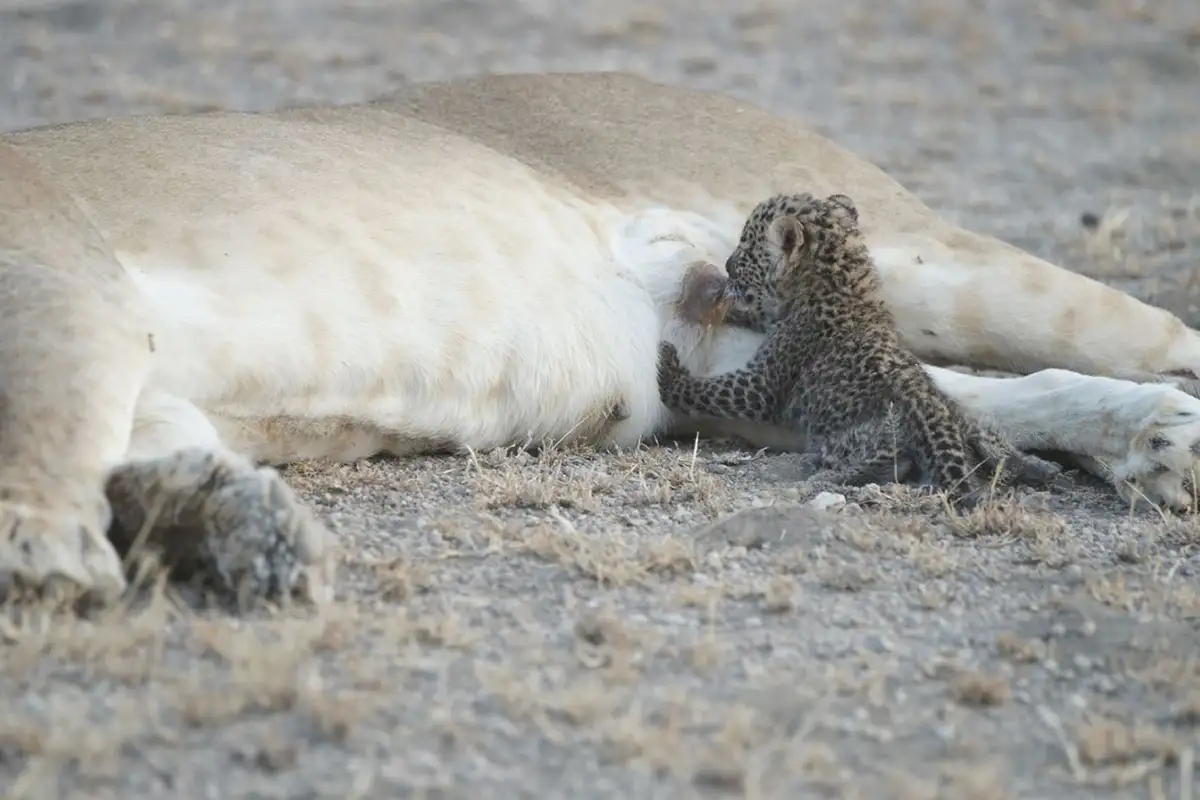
569, 479
622, 676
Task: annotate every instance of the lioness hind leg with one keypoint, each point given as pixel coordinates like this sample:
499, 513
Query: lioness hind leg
213, 512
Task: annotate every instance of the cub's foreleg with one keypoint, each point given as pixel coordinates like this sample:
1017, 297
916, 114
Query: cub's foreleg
747, 394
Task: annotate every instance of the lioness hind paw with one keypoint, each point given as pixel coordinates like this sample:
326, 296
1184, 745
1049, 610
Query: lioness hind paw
241, 527
60, 554
265, 540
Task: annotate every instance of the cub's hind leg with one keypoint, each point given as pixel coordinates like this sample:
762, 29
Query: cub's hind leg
212, 511
930, 422
1014, 466
941, 451
860, 455
74, 353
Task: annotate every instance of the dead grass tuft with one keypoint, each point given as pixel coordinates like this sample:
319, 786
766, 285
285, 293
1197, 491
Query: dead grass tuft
779, 597
1173, 676
65, 741
1105, 741
1010, 521
603, 642
123, 643
22, 737
1018, 649
981, 690
898, 499
580, 479
400, 578
514, 478
1115, 753
1156, 592
610, 559
1187, 710
849, 577
704, 654
273, 668
974, 780
263, 676
1001, 522
272, 754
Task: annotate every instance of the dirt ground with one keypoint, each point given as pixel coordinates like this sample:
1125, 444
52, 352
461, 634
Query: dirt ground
671, 622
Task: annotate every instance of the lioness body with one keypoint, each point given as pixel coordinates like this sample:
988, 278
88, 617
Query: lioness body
468, 264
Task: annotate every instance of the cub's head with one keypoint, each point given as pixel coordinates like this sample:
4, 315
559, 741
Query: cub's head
787, 239
750, 291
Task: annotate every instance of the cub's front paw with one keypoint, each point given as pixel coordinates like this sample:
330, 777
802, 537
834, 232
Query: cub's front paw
241, 526
57, 553
670, 370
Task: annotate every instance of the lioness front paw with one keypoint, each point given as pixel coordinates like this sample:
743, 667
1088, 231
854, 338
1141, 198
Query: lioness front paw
241, 526
1163, 457
62, 554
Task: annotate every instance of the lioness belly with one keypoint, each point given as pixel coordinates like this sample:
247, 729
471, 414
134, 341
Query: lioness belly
304, 350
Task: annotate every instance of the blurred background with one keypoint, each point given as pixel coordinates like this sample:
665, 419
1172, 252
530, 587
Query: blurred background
1068, 127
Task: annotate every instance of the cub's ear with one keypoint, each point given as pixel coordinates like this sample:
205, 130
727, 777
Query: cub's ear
787, 234
845, 203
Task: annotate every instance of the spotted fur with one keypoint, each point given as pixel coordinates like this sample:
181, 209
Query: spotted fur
832, 363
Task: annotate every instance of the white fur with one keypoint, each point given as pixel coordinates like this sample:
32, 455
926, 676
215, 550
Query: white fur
546, 353
1114, 424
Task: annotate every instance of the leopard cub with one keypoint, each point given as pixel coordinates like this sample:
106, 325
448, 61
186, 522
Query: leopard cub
832, 364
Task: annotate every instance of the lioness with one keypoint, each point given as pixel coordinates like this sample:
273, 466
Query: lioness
464, 264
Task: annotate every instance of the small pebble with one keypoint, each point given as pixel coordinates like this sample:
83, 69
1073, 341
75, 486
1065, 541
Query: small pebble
879, 644
827, 500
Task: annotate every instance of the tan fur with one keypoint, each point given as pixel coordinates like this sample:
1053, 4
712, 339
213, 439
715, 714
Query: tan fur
464, 264
705, 152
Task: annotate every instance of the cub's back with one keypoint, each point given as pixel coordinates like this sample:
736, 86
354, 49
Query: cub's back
849, 359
